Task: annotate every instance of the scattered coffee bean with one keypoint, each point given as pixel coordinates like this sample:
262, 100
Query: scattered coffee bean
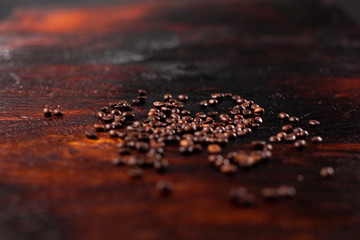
316, 140
283, 116
274, 139
293, 119
299, 144
91, 135
58, 113
259, 111
287, 128
183, 97
142, 92
258, 144
213, 102
214, 148
47, 112
242, 197
327, 172
314, 123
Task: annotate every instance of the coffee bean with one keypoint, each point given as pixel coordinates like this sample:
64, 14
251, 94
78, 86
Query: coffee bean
327, 172
259, 111
183, 97
164, 187
285, 191
299, 144
316, 140
246, 112
228, 168
214, 148
281, 135
287, 128
161, 165
217, 96
167, 97
124, 150
141, 99
47, 112
290, 137
136, 172
283, 116
203, 103
274, 139
58, 113
258, 144
186, 143
213, 102
135, 101
99, 127
314, 123
142, 92
224, 118
293, 119
158, 104
91, 135
119, 161
242, 197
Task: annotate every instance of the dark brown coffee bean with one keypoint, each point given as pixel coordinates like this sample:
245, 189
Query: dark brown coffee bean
293, 119
183, 97
281, 135
303, 134
161, 165
228, 169
158, 104
299, 144
113, 133
314, 123
217, 95
242, 197
285, 191
258, 144
141, 99
100, 114
186, 143
119, 161
268, 147
290, 137
214, 148
246, 112
316, 140
274, 139
128, 115
164, 187
327, 172
47, 112
58, 113
136, 172
203, 103
287, 128
283, 116
142, 92
224, 118
135, 101
108, 118
185, 112
91, 135
99, 127
213, 102
259, 111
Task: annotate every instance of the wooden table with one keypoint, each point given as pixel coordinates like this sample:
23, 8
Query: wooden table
301, 57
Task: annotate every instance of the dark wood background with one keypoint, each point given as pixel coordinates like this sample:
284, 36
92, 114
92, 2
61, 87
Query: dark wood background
301, 57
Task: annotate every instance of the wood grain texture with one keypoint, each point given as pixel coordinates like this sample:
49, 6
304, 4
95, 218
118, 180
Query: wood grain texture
300, 57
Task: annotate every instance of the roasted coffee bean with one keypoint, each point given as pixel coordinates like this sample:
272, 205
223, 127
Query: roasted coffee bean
281, 135
217, 95
299, 144
258, 144
91, 135
142, 92
314, 123
214, 148
167, 97
242, 197
246, 112
224, 118
161, 165
259, 111
285, 191
100, 114
183, 97
316, 140
327, 172
203, 103
268, 147
185, 113
47, 112
303, 134
287, 128
293, 119
99, 127
186, 143
228, 168
58, 113
141, 99
158, 104
212, 113
228, 94
135, 101
128, 115
136, 172
283, 116
213, 102
164, 187
119, 161
113, 133
108, 118
274, 139
290, 137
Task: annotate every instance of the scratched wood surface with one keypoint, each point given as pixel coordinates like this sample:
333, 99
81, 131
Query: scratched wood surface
301, 57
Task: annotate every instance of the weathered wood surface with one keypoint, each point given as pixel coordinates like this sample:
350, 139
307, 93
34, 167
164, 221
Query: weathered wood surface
300, 57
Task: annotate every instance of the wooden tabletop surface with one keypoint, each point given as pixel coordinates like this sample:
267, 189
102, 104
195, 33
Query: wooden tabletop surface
299, 57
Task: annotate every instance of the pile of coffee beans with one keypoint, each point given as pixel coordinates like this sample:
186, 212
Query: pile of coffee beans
168, 122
